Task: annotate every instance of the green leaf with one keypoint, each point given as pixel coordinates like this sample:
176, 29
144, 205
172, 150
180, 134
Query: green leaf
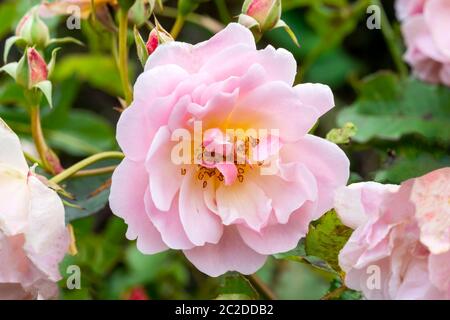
12, 93
411, 163
81, 133
299, 255
326, 238
237, 286
100, 71
90, 193
388, 108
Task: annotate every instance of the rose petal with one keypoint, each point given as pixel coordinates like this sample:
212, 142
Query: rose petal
230, 254
127, 202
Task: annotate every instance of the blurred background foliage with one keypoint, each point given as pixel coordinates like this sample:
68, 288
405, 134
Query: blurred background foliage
402, 132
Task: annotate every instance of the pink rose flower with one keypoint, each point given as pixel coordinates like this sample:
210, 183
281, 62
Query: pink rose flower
425, 25
33, 236
224, 215
401, 246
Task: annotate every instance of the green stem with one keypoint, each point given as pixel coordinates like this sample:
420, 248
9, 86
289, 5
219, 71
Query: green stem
224, 14
84, 163
262, 288
176, 29
206, 22
336, 293
94, 172
49, 160
391, 40
123, 55
32, 159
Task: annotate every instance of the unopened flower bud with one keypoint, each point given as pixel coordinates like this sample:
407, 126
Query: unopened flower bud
31, 69
156, 37
263, 15
33, 30
266, 12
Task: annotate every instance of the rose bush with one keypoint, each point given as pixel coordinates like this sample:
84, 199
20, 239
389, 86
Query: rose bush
401, 246
224, 216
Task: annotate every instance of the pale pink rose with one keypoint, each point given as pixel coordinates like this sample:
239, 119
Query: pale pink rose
401, 246
224, 217
33, 236
425, 25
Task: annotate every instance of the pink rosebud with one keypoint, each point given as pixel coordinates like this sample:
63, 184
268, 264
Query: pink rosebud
33, 30
152, 41
31, 69
37, 67
156, 37
266, 12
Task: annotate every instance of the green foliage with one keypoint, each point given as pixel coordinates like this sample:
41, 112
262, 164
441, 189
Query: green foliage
7, 17
100, 71
81, 133
75, 131
90, 195
389, 107
234, 286
326, 238
410, 163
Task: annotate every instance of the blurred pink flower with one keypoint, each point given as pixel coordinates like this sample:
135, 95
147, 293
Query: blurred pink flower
401, 246
223, 215
425, 25
33, 236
